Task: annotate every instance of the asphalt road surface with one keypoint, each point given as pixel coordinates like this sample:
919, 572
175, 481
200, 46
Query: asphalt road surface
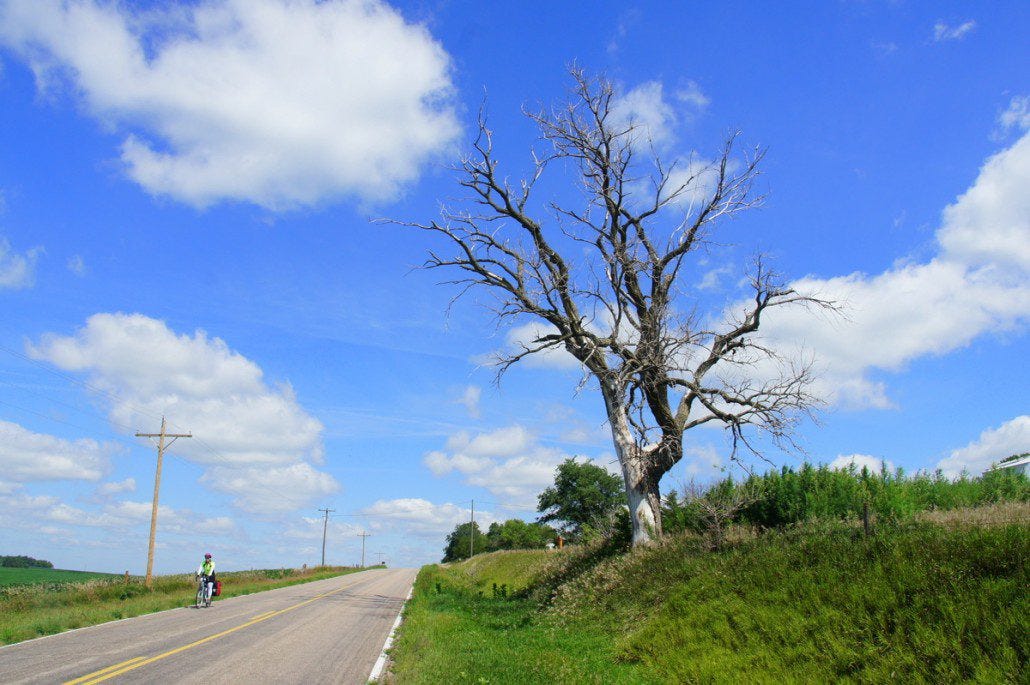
328, 631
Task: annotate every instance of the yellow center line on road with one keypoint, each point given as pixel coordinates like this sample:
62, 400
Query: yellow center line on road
101, 672
264, 615
132, 664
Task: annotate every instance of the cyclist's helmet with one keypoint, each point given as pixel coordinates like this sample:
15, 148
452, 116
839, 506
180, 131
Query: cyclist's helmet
207, 556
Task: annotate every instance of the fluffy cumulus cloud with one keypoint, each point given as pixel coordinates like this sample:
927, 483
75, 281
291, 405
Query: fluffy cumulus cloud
257, 441
26, 456
17, 269
19, 510
421, 518
993, 445
646, 109
276, 102
509, 462
978, 282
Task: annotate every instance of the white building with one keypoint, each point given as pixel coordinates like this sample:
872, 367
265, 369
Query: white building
1020, 465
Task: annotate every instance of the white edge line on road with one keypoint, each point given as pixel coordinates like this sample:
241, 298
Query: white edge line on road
377, 670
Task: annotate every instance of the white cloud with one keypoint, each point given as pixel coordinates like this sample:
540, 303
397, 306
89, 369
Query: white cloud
702, 461
860, 461
509, 462
1016, 115
114, 488
470, 400
942, 31
26, 456
22, 511
260, 439
276, 102
17, 270
993, 445
691, 95
272, 489
977, 283
77, 265
521, 338
645, 108
712, 280
421, 517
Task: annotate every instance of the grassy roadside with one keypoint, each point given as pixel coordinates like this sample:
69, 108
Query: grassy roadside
920, 601
30, 611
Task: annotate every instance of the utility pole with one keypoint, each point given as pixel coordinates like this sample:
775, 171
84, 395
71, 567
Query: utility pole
161, 446
380, 555
363, 536
325, 525
472, 528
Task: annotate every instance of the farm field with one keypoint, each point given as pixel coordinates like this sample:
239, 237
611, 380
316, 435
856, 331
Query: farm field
36, 576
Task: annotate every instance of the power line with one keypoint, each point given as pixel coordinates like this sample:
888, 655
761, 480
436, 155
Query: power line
100, 391
113, 397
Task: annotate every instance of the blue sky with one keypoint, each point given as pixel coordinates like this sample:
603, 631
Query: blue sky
185, 200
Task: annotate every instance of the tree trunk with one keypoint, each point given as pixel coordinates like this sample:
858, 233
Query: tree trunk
642, 494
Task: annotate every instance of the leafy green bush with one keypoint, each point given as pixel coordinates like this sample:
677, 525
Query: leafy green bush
787, 496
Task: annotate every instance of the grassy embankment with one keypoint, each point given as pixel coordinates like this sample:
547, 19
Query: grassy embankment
938, 598
43, 608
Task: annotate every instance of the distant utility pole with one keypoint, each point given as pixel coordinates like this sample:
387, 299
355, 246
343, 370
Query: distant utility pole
363, 536
380, 555
161, 446
325, 525
472, 528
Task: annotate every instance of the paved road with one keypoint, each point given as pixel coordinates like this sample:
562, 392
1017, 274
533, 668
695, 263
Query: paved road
328, 631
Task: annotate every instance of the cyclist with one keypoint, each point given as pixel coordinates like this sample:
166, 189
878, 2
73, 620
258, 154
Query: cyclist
206, 570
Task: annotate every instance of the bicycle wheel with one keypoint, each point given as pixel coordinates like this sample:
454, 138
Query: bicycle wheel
200, 596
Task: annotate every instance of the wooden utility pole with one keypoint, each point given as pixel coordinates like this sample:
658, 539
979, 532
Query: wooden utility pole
363, 536
161, 446
325, 524
472, 528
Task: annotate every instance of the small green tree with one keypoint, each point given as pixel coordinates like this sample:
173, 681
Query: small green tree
517, 534
582, 494
459, 543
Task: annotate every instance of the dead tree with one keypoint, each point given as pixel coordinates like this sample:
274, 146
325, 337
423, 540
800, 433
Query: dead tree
606, 277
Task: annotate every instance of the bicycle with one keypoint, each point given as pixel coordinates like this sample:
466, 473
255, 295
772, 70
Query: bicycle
203, 593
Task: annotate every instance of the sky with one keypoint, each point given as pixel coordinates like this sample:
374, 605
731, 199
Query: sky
189, 205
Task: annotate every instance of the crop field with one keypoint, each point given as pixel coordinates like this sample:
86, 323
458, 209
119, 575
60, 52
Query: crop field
36, 576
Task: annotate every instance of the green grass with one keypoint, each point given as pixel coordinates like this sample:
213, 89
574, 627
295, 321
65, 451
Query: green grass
33, 610
917, 602
36, 576
455, 630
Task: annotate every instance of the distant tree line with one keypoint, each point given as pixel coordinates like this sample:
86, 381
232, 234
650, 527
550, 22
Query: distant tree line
512, 534
23, 562
584, 501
